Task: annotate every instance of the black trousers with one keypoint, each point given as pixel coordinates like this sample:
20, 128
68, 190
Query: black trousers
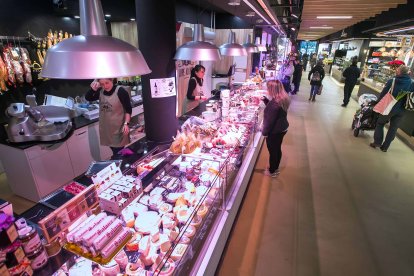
348, 91
296, 84
274, 146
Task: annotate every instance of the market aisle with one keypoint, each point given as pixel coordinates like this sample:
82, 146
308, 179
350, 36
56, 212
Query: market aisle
338, 207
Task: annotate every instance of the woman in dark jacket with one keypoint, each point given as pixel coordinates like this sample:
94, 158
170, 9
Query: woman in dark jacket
315, 77
402, 83
275, 124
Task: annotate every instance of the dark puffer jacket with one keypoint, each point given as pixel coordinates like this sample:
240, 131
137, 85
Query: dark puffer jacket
321, 71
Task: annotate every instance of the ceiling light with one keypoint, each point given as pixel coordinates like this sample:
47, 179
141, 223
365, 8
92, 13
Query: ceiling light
295, 16
259, 21
234, 2
197, 49
334, 17
232, 48
249, 46
400, 30
262, 48
77, 16
107, 15
93, 54
132, 19
251, 13
321, 27
293, 29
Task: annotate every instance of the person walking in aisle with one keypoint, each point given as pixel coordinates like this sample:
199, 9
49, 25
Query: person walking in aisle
402, 83
305, 59
275, 124
315, 77
313, 60
297, 75
351, 75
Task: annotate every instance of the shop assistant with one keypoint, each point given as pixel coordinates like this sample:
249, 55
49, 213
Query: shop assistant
195, 92
114, 113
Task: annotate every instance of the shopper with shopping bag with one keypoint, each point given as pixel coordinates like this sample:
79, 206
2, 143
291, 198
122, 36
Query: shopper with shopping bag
391, 107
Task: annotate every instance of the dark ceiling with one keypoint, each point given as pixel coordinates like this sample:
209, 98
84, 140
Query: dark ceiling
124, 10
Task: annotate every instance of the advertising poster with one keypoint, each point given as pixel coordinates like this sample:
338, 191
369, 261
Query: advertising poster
161, 88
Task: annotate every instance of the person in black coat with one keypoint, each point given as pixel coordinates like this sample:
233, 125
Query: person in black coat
305, 59
297, 75
351, 75
315, 77
275, 124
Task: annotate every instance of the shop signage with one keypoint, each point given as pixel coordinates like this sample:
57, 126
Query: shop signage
377, 43
161, 88
393, 43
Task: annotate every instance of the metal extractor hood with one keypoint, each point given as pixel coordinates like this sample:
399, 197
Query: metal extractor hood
93, 54
232, 48
197, 49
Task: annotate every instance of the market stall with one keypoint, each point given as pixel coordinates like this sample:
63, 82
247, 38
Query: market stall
166, 209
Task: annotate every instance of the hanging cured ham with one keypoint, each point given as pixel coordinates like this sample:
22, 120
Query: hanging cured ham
25, 62
3, 76
7, 60
17, 67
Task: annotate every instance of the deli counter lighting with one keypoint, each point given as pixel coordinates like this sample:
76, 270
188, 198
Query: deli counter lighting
232, 48
198, 49
249, 46
93, 54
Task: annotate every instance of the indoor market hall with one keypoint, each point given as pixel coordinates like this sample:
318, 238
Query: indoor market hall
338, 207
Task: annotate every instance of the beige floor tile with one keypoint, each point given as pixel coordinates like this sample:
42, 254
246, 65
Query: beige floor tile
338, 207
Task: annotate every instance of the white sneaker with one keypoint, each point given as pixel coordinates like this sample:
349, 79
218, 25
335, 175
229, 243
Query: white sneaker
275, 174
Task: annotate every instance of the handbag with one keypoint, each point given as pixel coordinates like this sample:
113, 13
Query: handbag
385, 105
320, 90
409, 103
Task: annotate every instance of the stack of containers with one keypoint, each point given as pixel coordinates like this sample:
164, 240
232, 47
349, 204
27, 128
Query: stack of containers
225, 99
31, 244
13, 259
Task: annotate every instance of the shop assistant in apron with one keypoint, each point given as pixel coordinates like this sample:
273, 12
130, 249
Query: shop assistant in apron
195, 92
114, 113
111, 120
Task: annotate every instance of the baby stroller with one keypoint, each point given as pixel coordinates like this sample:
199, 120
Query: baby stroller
365, 118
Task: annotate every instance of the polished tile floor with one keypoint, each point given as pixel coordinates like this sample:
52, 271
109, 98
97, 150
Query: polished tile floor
338, 207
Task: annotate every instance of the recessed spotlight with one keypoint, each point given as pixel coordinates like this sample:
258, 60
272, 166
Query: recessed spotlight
66, 18
132, 19
77, 16
250, 14
234, 2
107, 15
293, 29
321, 27
334, 16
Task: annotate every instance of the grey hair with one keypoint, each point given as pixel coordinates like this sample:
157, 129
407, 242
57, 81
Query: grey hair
404, 69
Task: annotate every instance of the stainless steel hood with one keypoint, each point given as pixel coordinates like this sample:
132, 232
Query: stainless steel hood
93, 54
197, 49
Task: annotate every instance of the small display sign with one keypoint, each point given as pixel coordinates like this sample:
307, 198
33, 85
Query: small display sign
161, 88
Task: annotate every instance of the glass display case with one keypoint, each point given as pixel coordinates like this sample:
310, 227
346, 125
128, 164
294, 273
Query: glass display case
183, 194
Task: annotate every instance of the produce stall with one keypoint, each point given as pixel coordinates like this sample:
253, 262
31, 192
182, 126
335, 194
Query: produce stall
166, 209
